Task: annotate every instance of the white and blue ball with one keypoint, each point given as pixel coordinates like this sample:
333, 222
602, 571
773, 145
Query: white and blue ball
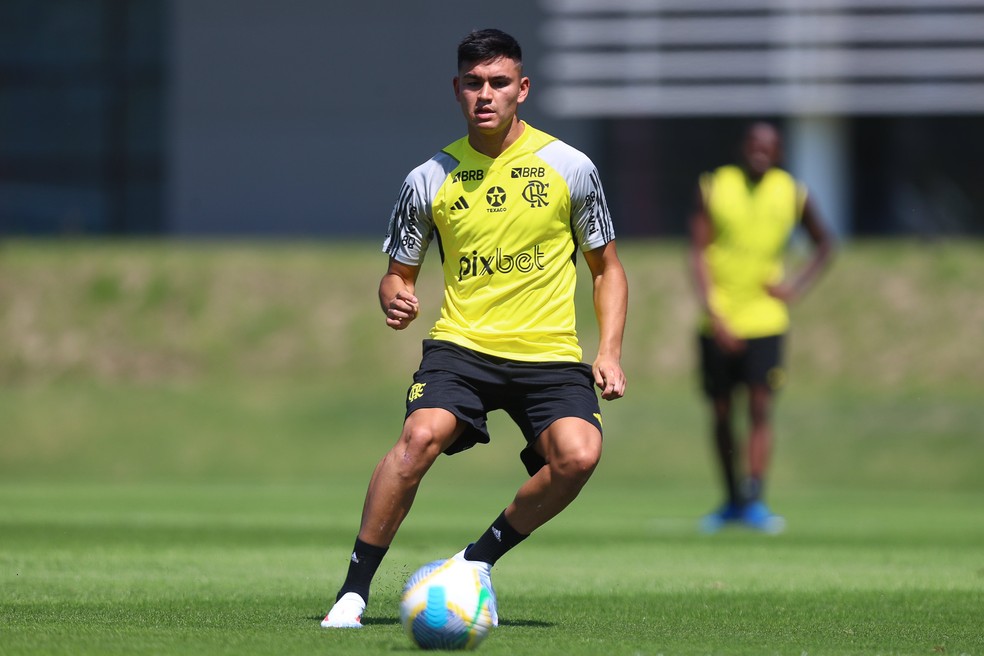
445, 606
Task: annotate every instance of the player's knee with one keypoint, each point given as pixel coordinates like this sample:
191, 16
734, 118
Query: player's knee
759, 414
577, 464
421, 443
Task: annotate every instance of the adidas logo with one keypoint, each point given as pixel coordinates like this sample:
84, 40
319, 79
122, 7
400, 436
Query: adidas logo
460, 204
497, 533
355, 558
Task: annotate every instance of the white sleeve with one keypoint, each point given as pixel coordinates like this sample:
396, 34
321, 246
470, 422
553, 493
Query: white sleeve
591, 222
590, 218
411, 226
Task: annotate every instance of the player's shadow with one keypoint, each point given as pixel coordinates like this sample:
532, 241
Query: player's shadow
531, 623
385, 621
382, 621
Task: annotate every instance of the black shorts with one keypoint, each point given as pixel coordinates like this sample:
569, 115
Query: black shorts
759, 364
470, 384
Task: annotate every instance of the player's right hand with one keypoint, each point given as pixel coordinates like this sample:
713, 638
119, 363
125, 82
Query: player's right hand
401, 310
726, 340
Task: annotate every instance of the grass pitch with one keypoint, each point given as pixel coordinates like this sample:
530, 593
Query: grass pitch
187, 433
226, 569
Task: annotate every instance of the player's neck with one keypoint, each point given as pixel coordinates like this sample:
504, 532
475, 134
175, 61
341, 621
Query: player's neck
493, 145
752, 178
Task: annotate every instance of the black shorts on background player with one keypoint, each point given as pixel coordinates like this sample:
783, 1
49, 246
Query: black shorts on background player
760, 363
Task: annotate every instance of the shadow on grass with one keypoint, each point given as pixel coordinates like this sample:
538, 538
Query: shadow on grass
389, 621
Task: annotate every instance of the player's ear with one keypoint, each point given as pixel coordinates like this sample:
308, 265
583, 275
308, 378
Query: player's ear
454, 83
524, 88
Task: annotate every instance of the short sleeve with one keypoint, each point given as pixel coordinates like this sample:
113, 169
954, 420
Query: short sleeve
411, 226
591, 221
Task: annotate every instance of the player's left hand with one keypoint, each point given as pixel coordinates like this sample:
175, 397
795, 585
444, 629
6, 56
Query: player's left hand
783, 291
609, 377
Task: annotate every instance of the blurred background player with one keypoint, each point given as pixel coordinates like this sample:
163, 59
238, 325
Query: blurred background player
742, 224
510, 208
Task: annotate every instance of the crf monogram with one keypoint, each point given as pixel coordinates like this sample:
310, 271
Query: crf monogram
535, 193
416, 391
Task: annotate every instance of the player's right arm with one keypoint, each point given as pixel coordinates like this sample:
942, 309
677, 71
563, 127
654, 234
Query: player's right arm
411, 228
701, 236
396, 294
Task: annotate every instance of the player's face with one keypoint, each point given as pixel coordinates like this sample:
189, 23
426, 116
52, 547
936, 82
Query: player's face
761, 150
490, 93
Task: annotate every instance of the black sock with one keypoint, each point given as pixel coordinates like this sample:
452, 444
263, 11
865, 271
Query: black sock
362, 567
495, 542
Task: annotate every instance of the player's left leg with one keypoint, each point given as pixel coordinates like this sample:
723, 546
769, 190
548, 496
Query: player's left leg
763, 375
756, 513
759, 439
571, 448
557, 410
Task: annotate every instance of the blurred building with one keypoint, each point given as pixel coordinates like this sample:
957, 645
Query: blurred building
82, 116
881, 100
300, 118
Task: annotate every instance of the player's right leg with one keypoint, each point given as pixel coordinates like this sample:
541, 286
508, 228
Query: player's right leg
726, 456
719, 380
427, 432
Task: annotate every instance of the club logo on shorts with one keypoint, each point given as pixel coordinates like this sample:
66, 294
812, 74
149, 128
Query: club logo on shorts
416, 391
776, 378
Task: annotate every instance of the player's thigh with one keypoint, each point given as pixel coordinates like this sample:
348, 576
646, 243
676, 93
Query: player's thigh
719, 371
763, 365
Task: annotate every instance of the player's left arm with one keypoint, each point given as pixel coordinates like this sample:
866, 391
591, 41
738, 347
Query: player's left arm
823, 251
611, 297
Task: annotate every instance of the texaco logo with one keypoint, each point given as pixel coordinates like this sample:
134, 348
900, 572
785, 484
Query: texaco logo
496, 196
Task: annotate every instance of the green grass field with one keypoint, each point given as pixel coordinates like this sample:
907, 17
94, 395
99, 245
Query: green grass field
188, 431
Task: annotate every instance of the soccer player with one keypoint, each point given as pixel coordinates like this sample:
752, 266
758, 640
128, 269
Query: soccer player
509, 208
744, 218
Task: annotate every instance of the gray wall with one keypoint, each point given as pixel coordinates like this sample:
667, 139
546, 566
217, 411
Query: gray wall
303, 117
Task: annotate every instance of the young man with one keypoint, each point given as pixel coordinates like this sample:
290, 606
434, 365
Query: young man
509, 207
744, 218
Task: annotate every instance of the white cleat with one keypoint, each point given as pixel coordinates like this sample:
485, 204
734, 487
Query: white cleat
485, 576
346, 613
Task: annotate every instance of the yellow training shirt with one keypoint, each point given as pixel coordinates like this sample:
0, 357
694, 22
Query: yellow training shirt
508, 230
752, 224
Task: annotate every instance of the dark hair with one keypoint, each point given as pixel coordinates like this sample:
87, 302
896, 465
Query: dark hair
487, 45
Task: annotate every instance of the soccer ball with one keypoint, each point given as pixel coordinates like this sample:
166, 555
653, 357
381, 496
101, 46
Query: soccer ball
445, 606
